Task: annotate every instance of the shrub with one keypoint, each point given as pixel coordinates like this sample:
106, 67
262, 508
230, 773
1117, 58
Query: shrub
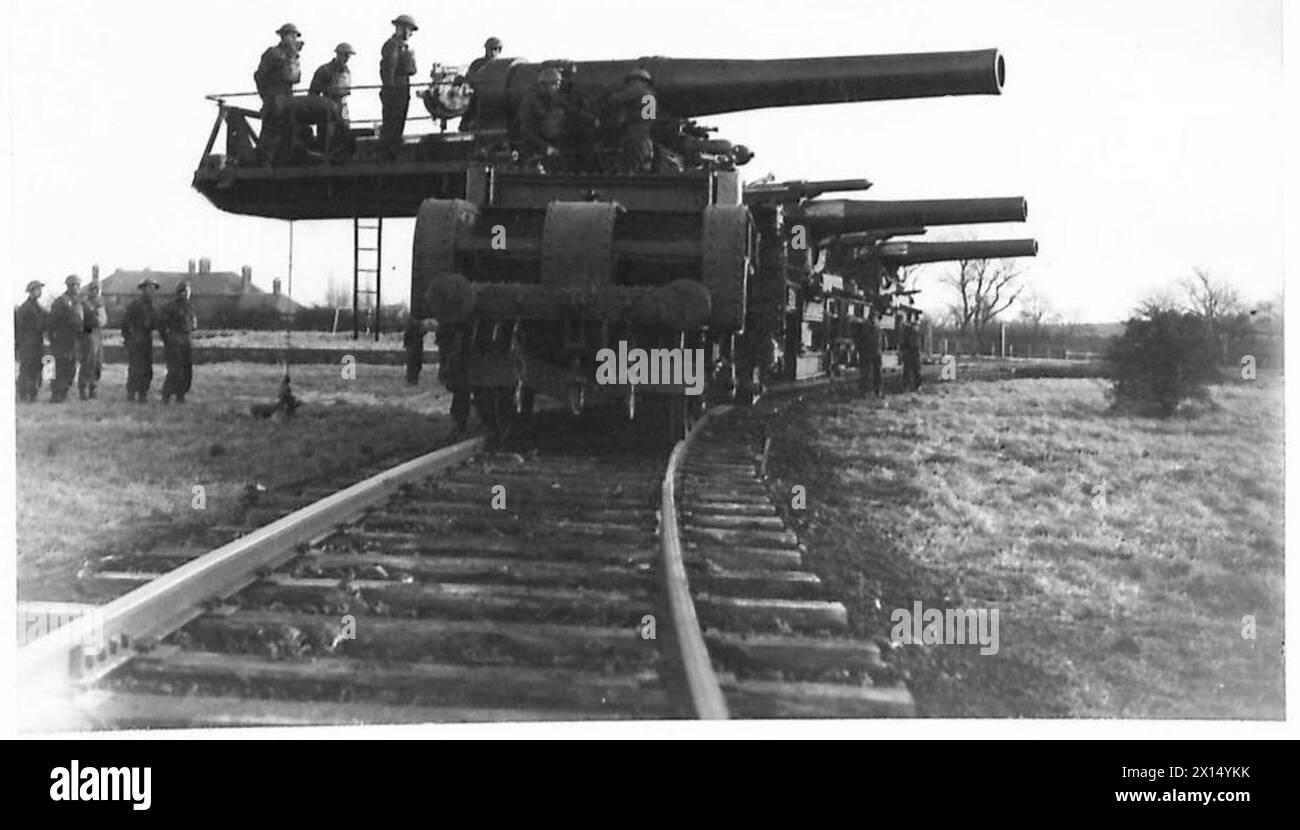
1162, 359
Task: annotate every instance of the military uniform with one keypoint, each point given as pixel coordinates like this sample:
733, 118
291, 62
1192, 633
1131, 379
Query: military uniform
627, 113
276, 74
866, 338
332, 83
541, 123
29, 347
909, 352
176, 321
138, 323
90, 347
396, 66
413, 343
65, 323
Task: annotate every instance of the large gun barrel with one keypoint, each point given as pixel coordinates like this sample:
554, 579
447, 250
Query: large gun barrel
908, 253
832, 217
692, 87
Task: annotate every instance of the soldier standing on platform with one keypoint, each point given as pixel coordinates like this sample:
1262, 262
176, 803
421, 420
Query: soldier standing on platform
396, 66
633, 112
65, 323
138, 324
29, 342
333, 82
543, 121
90, 346
276, 74
175, 323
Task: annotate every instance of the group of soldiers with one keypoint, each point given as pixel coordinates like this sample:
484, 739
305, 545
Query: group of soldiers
866, 340
74, 326
326, 104
556, 126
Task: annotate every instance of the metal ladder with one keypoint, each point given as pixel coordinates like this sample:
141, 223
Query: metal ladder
367, 248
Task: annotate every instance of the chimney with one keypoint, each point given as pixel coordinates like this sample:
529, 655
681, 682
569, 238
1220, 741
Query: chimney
191, 269
275, 286
245, 279
205, 265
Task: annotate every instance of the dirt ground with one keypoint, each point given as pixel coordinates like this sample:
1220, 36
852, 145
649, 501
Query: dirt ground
110, 476
1123, 554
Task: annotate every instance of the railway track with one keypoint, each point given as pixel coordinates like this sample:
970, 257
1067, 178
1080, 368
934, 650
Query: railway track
577, 581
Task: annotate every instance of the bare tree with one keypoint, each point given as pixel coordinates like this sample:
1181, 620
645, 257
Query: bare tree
985, 288
1210, 298
1158, 302
337, 295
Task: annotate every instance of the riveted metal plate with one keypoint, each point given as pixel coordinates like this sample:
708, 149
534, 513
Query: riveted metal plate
439, 225
727, 260
578, 243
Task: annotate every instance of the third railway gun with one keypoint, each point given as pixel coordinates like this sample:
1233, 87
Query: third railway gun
685, 256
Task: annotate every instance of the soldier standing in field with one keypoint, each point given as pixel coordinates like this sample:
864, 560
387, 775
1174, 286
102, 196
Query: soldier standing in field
90, 348
909, 351
867, 341
67, 316
29, 342
396, 66
138, 324
413, 343
176, 321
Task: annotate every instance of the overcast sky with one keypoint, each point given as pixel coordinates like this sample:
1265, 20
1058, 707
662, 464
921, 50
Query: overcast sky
1147, 136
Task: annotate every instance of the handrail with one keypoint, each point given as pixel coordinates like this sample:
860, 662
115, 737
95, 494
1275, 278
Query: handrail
219, 97
701, 681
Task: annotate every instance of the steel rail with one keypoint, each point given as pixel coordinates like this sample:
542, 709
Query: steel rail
701, 682
53, 664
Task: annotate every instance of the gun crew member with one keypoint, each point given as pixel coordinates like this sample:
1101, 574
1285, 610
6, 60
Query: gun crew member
29, 342
67, 316
396, 66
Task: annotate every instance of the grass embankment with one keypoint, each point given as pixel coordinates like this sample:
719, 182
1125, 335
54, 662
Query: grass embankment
107, 475
985, 495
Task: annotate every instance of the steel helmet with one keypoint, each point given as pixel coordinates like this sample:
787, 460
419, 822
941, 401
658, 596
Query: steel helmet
288, 29
492, 43
639, 73
550, 73
405, 20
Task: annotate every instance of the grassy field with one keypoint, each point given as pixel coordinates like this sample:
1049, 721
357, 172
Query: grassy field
208, 338
1122, 553
107, 475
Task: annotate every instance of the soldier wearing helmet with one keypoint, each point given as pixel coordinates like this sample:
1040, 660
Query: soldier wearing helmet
396, 66
332, 82
632, 112
176, 321
90, 345
491, 50
29, 342
276, 74
67, 316
542, 120
138, 323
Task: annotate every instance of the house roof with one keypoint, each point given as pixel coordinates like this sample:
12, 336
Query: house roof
211, 284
